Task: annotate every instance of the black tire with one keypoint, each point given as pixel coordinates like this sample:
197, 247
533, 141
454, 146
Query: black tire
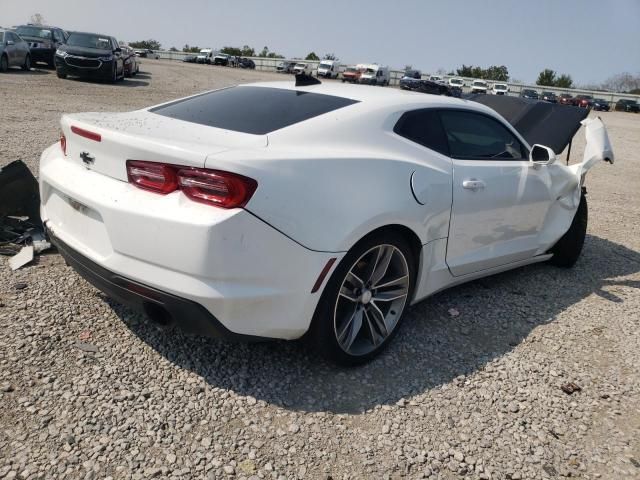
322, 332
4, 64
61, 75
567, 250
114, 74
26, 66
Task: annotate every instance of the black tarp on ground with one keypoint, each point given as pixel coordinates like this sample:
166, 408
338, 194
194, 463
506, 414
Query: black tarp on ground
549, 124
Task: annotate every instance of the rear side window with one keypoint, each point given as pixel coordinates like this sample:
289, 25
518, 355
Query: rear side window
255, 110
423, 127
474, 136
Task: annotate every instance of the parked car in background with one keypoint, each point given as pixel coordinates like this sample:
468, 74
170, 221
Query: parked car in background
225, 60
328, 69
376, 75
627, 105
43, 42
410, 79
500, 89
190, 59
302, 67
435, 88
436, 78
456, 83
246, 63
479, 86
14, 51
90, 55
528, 93
147, 53
205, 56
131, 62
448, 192
285, 67
352, 74
583, 101
549, 97
565, 99
600, 105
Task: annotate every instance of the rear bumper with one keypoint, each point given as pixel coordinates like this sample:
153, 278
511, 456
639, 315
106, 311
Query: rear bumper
250, 277
162, 307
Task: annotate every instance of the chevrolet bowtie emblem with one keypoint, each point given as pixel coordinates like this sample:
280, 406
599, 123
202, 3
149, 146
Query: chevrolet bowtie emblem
87, 159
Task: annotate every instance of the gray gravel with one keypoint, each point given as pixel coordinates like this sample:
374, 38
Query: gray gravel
89, 390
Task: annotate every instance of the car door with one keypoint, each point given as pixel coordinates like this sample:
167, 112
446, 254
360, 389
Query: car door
11, 48
499, 199
23, 48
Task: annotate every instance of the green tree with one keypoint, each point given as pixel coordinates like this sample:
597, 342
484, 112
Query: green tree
173, 49
564, 81
146, 44
264, 52
330, 56
312, 56
189, 49
248, 51
37, 19
546, 78
232, 51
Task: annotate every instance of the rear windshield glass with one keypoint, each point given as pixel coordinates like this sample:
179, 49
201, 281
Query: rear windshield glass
256, 110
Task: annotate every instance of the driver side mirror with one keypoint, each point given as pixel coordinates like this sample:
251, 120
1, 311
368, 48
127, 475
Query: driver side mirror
117, 50
10, 42
541, 155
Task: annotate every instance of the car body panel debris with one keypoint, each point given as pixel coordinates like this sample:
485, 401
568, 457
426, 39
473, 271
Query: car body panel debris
22, 258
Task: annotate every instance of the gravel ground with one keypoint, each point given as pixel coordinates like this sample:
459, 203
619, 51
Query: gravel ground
89, 390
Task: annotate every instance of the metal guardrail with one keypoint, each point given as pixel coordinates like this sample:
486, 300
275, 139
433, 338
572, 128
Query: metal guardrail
270, 64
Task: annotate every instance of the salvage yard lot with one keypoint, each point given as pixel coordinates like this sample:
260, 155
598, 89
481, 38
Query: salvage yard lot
470, 388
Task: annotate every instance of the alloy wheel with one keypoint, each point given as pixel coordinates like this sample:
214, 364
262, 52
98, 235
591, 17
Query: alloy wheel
371, 300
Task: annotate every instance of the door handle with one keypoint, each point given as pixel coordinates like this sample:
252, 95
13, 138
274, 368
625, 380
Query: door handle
473, 184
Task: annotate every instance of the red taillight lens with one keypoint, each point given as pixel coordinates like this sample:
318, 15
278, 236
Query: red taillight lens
156, 177
63, 144
96, 137
223, 189
212, 187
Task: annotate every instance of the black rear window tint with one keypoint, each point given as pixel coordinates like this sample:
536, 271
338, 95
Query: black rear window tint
256, 110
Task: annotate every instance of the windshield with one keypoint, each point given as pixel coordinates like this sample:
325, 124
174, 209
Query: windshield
456, 81
351, 70
370, 70
479, 84
499, 86
89, 40
324, 65
34, 32
548, 94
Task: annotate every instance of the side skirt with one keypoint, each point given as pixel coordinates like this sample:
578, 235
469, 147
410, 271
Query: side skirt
434, 275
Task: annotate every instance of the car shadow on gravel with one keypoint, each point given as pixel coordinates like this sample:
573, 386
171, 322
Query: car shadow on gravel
433, 347
33, 71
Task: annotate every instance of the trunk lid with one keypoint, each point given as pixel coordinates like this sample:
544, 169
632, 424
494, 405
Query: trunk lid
142, 135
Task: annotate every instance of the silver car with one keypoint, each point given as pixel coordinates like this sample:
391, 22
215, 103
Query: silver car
14, 51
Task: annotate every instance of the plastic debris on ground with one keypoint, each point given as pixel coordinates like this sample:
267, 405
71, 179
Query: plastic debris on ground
22, 233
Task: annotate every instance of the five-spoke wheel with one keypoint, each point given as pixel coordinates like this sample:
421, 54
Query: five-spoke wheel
363, 302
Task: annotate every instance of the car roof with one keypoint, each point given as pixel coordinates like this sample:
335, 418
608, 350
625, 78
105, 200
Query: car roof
374, 95
92, 33
38, 26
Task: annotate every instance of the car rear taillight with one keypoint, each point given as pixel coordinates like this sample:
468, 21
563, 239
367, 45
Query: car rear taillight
212, 187
96, 137
223, 189
156, 177
63, 144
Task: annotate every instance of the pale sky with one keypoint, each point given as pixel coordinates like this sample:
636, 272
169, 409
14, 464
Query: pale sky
588, 39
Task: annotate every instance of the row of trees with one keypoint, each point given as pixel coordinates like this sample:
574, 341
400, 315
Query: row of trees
549, 78
494, 72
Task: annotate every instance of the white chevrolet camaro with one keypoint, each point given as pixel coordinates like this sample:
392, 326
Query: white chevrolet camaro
274, 211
